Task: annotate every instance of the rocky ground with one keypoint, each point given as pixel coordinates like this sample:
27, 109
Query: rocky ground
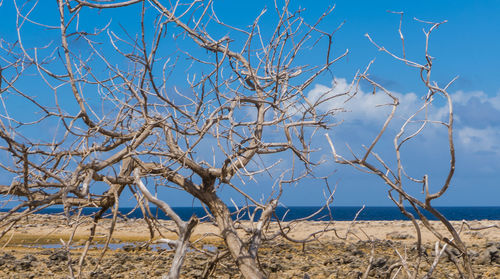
30, 252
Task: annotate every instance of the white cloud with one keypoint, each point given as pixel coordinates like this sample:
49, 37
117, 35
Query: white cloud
461, 97
478, 121
477, 115
479, 140
362, 106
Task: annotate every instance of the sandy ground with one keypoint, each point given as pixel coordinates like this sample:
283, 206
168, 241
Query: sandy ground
50, 229
342, 251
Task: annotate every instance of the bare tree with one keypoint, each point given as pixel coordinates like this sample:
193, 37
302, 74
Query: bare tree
400, 182
114, 115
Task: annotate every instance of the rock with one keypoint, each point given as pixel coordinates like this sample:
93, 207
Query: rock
57, 268
29, 258
46, 252
26, 263
455, 252
305, 268
119, 268
494, 254
379, 262
347, 260
160, 273
357, 263
99, 274
399, 236
58, 256
491, 244
23, 265
489, 256
358, 252
276, 267
200, 257
128, 248
122, 258
6, 259
328, 262
483, 258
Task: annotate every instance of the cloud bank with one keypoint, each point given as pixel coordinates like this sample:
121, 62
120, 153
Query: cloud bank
476, 114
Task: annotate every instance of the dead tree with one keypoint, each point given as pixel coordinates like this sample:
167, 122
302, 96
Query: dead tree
398, 179
171, 100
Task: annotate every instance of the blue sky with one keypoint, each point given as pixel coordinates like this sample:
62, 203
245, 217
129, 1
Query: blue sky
466, 46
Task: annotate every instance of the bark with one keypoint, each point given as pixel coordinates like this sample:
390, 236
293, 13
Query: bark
181, 249
247, 264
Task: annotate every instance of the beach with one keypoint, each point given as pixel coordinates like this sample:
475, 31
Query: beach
37, 247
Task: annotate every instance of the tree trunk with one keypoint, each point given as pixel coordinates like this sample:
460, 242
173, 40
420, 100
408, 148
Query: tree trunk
181, 248
246, 263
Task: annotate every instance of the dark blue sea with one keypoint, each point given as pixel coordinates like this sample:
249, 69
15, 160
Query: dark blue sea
340, 213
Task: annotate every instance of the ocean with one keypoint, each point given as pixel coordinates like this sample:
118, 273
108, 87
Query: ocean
338, 213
